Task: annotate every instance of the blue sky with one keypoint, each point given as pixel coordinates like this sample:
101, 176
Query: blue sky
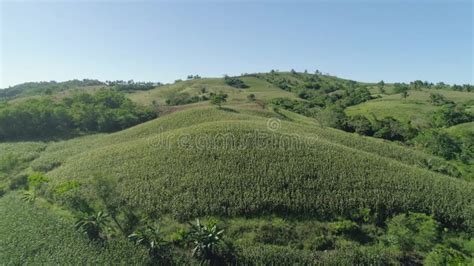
164, 41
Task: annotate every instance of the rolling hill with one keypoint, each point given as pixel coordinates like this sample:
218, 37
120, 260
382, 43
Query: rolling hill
251, 165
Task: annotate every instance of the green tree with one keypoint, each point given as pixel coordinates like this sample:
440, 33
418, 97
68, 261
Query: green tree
450, 115
332, 117
438, 143
218, 99
391, 129
361, 125
413, 234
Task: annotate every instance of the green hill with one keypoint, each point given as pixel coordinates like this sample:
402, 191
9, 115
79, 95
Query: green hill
193, 168
271, 173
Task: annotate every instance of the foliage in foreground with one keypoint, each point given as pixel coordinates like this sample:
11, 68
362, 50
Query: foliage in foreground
31, 235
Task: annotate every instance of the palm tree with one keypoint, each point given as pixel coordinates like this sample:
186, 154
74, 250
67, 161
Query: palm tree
150, 237
94, 225
205, 239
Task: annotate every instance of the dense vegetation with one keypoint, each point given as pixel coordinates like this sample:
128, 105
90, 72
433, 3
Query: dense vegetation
235, 82
261, 175
327, 100
46, 117
131, 85
36, 88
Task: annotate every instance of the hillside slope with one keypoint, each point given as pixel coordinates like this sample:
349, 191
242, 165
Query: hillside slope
228, 162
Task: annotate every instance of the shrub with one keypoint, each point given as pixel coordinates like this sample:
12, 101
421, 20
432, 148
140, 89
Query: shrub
412, 232
234, 82
36, 179
343, 227
8, 162
450, 115
219, 99
19, 182
182, 98
438, 143
390, 128
251, 97
332, 117
360, 125
442, 255
275, 234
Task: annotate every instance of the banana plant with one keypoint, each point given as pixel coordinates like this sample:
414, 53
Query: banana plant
95, 226
206, 239
151, 238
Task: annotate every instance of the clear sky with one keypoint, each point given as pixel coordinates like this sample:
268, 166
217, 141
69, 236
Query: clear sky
163, 41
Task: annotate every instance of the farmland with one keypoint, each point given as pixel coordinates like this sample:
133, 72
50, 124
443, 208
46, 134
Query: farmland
276, 160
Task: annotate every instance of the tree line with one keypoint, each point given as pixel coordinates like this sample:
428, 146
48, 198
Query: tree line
46, 117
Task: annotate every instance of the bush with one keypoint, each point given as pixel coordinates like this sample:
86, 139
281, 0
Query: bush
235, 82
183, 98
19, 182
390, 128
275, 234
439, 143
332, 117
251, 97
442, 255
8, 162
37, 179
360, 125
450, 115
412, 232
218, 99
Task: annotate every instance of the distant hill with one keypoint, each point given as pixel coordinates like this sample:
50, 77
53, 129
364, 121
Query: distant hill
45, 87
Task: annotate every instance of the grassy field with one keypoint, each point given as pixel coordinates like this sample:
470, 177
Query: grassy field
262, 90
414, 108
